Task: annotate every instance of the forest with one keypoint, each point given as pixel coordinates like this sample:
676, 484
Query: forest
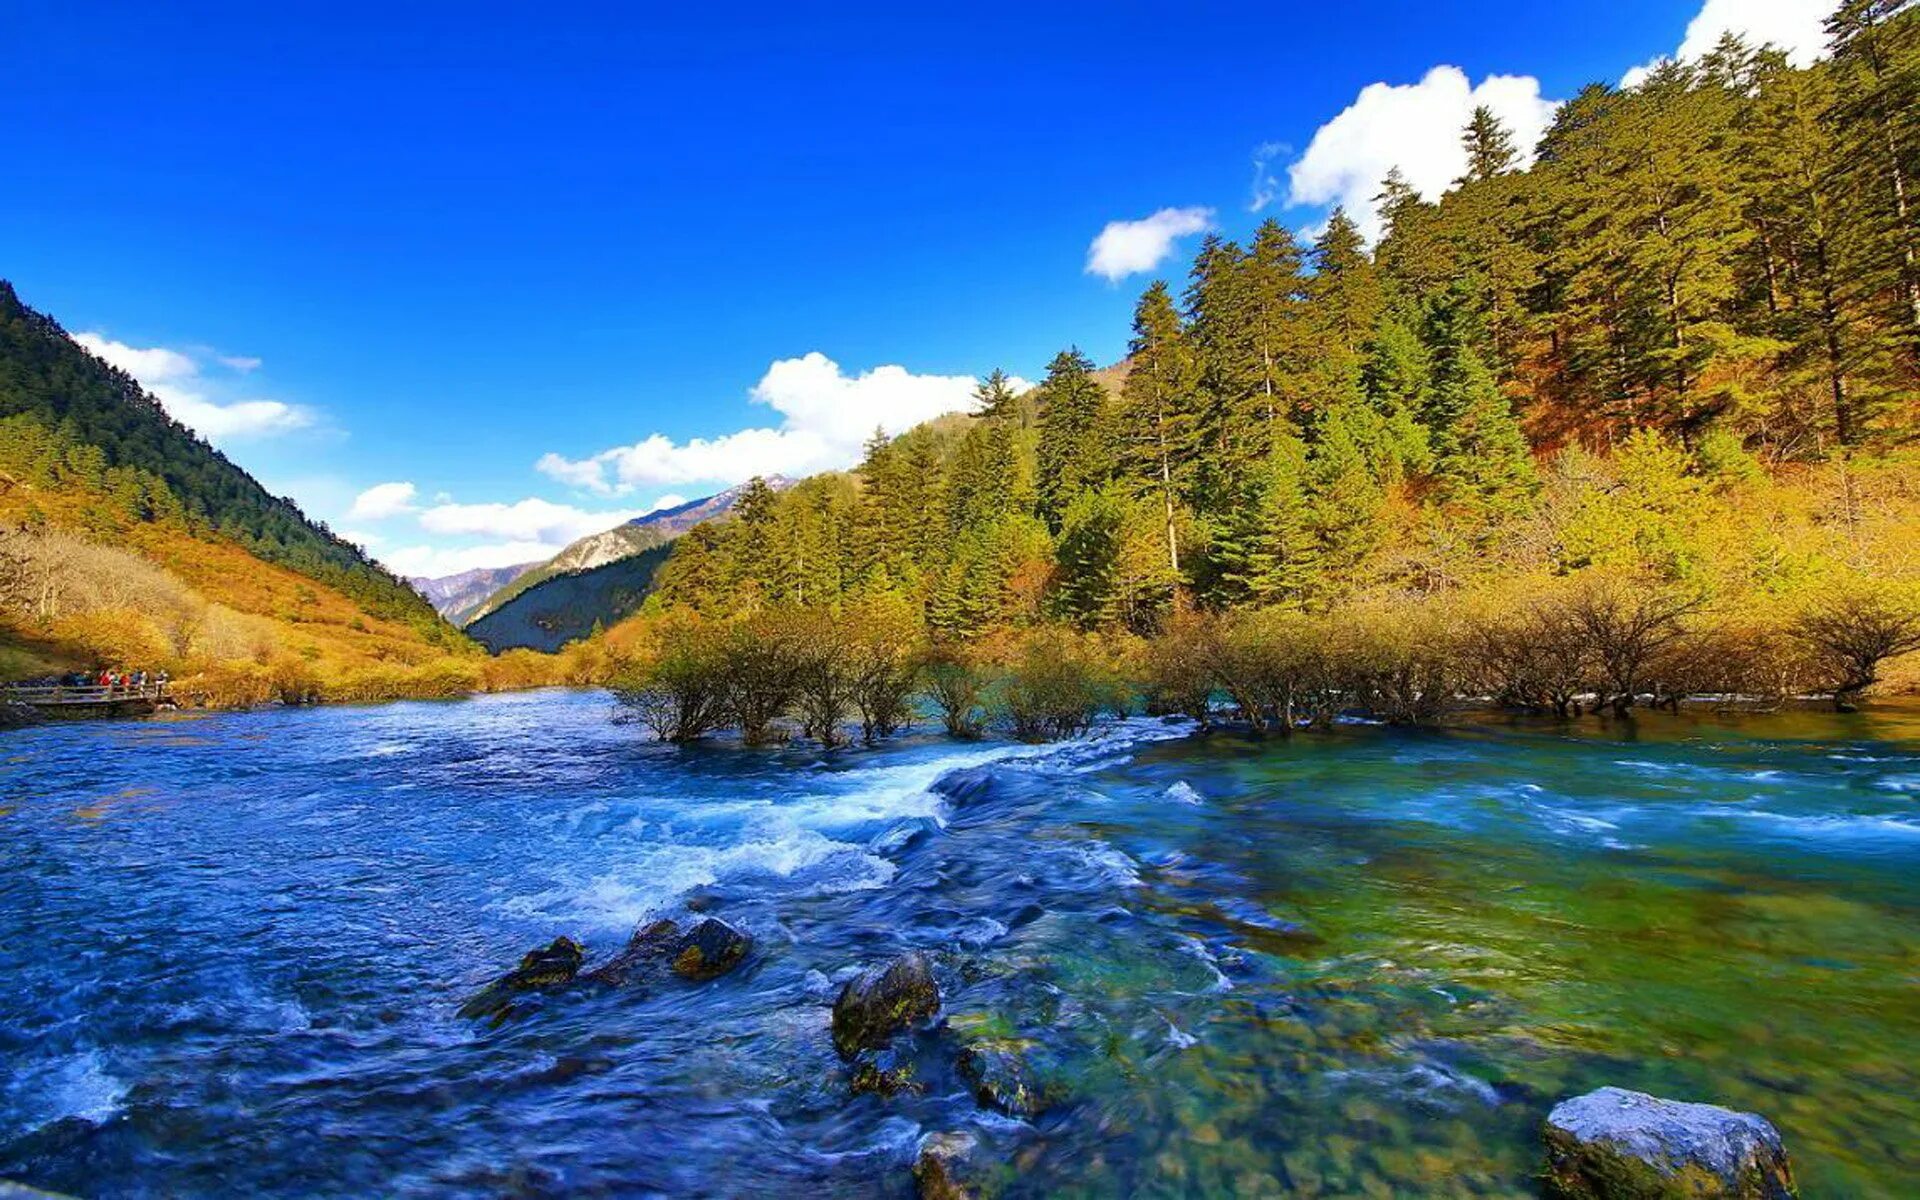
1632, 420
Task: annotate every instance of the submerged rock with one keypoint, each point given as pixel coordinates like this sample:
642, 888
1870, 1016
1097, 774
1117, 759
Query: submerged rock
543, 970
1001, 1074
883, 1000
945, 1166
884, 1073
1613, 1144
707, 951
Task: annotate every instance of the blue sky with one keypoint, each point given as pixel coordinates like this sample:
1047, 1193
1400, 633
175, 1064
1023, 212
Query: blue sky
468, 282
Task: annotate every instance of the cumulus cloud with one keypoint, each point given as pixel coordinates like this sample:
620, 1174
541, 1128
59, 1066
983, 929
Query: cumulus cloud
1415, 127
432, 562
381, 501
178, 381
1795, 26
1126, 248
826, 414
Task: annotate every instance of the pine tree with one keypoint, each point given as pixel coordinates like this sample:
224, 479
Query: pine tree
1481, 457
1489, 147
1075, 448
1346, 494
1875, 47
1159, 431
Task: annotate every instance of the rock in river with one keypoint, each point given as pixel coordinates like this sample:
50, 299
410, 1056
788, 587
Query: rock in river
883, 1000
707, 951
544, 970
1619, 1145
944, 1166
1002, 1077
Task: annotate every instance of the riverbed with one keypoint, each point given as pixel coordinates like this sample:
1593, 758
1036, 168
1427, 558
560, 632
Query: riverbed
1363, 962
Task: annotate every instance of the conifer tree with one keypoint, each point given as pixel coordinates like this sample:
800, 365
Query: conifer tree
1489, 146
1157, 416
1481, 457
1075, 450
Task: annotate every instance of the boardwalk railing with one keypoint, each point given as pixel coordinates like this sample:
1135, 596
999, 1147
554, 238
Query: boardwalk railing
47, 695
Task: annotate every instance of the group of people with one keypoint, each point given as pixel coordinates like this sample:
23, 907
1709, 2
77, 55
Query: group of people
119, 681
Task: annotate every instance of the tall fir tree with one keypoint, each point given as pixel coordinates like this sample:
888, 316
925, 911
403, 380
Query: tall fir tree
1158, 413
1075, 450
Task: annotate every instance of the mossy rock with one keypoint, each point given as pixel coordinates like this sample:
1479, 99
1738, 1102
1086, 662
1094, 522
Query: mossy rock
547, 969
882, 1001
709, 950
946, 1166
1002, 1074
1614, 1144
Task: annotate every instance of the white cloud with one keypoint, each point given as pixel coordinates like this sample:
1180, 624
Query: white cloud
1795, 26
431, 562
360, 537
381, 501
827, 416
176, 380
1266, 186
527, 521
1415, 127
1126, 248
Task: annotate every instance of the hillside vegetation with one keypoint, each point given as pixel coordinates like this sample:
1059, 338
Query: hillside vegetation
1654, 396
127, 543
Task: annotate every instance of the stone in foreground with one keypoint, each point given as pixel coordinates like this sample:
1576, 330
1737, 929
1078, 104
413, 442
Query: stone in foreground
543, 970
941, 1170
882, 1001
1002, 1077
1613, 1144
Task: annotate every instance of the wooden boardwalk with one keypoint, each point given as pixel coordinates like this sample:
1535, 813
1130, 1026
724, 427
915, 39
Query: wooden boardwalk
91, 700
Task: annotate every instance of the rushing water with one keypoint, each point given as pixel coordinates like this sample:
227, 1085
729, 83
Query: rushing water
1357, 963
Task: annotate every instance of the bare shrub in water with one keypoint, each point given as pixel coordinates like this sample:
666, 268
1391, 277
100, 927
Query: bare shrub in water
956, 686
1179, 667
681, 693
823, 685
1055, 689
1262, 659
879, 642
1850, 631
1627, 623
760, 660
1533, 657
1398, 661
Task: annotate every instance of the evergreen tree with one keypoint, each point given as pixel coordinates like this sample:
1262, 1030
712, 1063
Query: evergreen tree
1481, 457
1075, 449
1489, 146
1157, 415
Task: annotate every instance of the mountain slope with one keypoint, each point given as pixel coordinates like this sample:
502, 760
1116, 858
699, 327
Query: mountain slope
457, 597
52, 382
567, 607
127, 542
599, 550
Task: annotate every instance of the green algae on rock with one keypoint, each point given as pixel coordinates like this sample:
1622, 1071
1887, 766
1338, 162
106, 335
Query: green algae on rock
1613, 1144
883, 1000
544, 970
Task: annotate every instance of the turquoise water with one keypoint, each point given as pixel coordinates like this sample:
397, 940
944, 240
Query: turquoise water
1356, 963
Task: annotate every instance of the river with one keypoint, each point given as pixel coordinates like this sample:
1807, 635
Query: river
1364, 962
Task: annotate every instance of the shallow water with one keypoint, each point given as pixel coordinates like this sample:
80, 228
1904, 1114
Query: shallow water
1357, 963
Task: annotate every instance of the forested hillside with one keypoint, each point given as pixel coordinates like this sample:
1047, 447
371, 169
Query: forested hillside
1702, 287
128, 543
1632, 418
68, 415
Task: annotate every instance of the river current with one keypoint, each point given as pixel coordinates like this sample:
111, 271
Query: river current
1359, 963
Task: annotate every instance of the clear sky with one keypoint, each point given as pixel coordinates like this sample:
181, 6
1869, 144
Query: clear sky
468, 281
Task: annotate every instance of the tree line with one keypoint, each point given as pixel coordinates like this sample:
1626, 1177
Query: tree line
1681, 344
